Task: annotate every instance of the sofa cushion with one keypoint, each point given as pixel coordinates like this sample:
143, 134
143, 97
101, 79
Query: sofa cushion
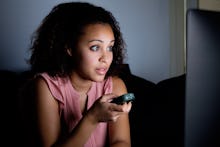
170, 104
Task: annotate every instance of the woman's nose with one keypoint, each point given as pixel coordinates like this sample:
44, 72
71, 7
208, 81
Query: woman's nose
103, 58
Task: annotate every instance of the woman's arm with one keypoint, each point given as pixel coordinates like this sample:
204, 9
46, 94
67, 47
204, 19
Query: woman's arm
119, 130
47, 111
49, 123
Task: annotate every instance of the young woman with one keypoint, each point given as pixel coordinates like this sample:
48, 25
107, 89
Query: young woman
75, 52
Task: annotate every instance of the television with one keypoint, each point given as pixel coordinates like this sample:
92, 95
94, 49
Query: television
202, 103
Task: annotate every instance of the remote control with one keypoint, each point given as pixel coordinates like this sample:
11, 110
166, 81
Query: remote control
124, 98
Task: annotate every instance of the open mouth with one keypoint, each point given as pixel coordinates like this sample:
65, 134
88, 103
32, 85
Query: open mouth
101, 71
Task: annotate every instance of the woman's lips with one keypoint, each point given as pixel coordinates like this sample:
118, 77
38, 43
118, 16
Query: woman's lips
101, 71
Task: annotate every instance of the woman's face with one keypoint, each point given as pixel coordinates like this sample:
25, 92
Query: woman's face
94, 52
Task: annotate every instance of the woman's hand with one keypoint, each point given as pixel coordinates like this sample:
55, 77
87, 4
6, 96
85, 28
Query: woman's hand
104, 111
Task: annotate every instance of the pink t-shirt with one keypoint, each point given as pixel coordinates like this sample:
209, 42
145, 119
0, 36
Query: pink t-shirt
69, 106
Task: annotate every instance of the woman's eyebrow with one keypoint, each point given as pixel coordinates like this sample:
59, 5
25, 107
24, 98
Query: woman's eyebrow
100, 40
95, 40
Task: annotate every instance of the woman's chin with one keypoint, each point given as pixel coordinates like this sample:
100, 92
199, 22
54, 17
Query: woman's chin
99, 78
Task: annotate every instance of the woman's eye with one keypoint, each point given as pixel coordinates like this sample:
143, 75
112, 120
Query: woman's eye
110, 48
94, 48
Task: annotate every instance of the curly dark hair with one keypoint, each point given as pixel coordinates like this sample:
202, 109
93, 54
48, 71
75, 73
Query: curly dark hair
61, 29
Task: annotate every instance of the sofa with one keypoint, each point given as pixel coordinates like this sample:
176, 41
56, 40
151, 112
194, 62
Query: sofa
156, 117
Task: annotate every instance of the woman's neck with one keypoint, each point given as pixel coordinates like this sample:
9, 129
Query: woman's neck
80, 85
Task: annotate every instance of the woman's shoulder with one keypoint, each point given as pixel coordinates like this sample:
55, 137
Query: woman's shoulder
51, 79
113, 80
117, 79
119, 86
